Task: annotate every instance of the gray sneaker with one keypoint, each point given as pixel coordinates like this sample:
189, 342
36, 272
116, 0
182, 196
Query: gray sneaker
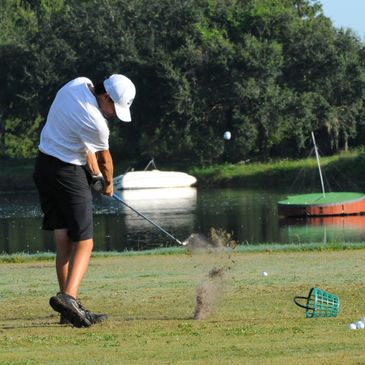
70, 309
93, 317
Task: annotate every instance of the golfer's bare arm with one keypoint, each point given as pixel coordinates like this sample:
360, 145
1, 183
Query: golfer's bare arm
101, 162
105, 163
92, 163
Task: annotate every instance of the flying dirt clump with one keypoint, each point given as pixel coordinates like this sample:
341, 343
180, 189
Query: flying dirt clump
215, 252
221, 238
218, 241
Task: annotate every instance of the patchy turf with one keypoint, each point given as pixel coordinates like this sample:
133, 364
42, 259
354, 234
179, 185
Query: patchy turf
151, 300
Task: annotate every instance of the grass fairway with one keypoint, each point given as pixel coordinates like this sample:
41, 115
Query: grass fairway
150, 300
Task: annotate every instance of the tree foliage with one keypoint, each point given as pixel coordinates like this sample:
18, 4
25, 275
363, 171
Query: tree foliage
269, 71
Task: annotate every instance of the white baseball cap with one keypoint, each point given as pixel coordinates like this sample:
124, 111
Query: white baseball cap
122, 91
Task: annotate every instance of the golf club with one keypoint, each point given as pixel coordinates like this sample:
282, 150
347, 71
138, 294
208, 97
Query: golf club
116, 197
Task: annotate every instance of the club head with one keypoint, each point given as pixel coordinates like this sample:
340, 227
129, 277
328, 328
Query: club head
189, 240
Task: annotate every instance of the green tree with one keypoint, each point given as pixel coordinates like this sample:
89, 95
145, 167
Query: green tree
269, 71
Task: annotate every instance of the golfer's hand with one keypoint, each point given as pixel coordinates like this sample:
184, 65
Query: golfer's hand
97, 183
108, 190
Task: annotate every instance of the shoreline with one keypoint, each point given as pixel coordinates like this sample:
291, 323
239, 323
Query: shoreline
16, 175
22, 257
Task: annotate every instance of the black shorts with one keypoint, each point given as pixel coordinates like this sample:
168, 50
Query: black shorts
65, 196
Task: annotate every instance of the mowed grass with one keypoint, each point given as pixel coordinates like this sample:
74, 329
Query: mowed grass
343, 170
151, 300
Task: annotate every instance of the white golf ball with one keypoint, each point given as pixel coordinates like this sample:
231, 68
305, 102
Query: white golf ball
264, 273
360, 325
352, 326
227, 135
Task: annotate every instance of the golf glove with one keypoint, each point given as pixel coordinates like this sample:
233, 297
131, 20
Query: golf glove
97, 182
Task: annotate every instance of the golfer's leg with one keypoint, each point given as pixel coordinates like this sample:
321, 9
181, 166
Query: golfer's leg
63, 254
79, 262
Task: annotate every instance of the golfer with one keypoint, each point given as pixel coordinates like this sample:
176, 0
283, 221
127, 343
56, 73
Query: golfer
73, 155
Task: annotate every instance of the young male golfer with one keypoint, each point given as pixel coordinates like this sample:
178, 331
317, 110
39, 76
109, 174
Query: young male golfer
74, 153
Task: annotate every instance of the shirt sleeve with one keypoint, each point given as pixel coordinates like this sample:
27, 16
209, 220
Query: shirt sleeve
95, 135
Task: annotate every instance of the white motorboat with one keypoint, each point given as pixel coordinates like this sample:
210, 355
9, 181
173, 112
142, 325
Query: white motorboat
153, 179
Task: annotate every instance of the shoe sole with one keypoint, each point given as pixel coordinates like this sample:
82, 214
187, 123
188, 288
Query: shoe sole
101, 319
62, 307
63, 320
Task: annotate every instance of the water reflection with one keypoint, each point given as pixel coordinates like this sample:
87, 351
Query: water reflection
323, 229
159, 204
250, 215
172, 209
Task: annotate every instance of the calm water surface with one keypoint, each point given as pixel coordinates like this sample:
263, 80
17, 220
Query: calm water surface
250, 215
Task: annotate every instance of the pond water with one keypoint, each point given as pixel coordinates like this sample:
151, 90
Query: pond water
251, 216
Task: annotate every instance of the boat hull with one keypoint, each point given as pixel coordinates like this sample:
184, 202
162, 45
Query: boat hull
344, 204
154, 179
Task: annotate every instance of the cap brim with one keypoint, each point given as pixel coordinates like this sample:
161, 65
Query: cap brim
123, 114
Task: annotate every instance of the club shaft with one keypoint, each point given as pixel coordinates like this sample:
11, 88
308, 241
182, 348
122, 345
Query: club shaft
116, 197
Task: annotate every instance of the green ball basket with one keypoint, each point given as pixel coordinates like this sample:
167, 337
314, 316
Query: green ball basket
319, 303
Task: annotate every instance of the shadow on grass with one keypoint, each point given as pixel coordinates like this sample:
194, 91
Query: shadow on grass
162, 318
54, 322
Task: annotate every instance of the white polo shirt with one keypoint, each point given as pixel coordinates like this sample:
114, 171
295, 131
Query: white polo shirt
74, 124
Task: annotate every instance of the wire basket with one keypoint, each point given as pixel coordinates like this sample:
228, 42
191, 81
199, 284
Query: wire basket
319, 303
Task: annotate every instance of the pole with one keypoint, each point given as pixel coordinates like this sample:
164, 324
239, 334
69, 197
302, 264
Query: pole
319, 166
